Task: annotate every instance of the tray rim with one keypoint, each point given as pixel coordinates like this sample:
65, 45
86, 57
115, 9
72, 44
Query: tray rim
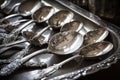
104, 64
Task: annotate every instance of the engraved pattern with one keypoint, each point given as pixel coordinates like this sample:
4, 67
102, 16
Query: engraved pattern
46, 72
11, 37
35, 64
10, 68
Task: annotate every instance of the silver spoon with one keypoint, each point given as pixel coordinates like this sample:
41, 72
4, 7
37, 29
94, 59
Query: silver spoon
99, 35
44, 12
74, 26
57, 20
61, 43
4, 3
25, 8
89, 51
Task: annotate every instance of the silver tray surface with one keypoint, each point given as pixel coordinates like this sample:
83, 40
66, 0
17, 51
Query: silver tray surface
74, 69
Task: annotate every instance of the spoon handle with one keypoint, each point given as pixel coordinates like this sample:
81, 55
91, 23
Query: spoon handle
10, 37
3, 26
2, 50
15, 33
11, 67
8, 69
16, 5
7, 17
42, 31
23, 26
12, 43
4, 4
12, 23
27, 64
18, 55
52, 69
3, 34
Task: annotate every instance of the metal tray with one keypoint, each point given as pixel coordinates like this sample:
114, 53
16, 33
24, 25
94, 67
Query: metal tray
74, 69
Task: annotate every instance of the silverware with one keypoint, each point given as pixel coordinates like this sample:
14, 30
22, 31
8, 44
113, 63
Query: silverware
61, 43
14, 34
25, 8
55, 21
89, 51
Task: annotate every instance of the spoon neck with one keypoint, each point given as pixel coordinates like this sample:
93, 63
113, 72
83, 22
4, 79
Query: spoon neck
26, 58
23, 26
68, 60
12, 15
16, 5
42, 31
13, 43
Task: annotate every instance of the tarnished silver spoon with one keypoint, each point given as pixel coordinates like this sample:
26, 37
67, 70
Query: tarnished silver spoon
99, 35
44, 12
57, 20
25, 8
89, 51
61, 43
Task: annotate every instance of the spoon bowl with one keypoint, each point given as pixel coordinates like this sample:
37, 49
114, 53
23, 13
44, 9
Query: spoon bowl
65, 42
96, 49
96, 35
74, 26
60, 18
28, 7
43, 14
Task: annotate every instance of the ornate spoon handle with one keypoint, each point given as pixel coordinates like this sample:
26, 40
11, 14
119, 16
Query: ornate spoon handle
50, 70
10, 37
27, 64
15, 33
18, 55
8, 69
